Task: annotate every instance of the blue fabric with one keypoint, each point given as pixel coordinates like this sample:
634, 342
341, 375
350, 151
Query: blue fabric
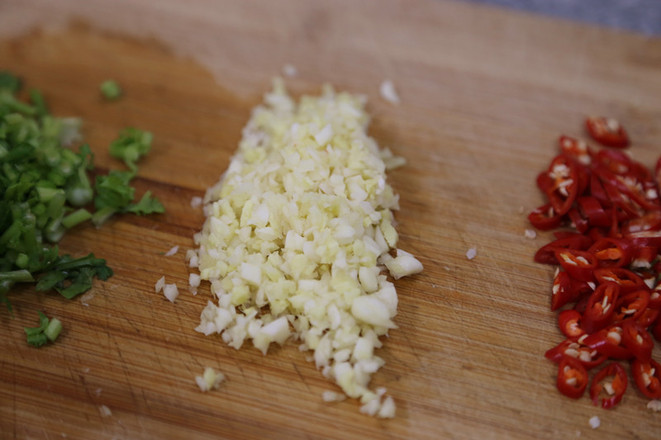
642, 16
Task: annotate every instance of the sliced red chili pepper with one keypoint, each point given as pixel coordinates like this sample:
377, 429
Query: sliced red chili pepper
592, 210
627, 279
563, 291
617, 162
582, 290
563, 173
580, 265
572, 377
569, 322
639, 188
546, 254
607, 131
598, 191
588, 357
650, 221
631, 305
600, 307
647, 375
637, 340
611, 252
608, 341
643, 255
614, 389
649, 317
626, 208
578, 221
576, 149
544, 218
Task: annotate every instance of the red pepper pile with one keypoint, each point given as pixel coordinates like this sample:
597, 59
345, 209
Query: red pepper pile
607, 288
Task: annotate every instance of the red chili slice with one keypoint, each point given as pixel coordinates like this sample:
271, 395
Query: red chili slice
615, 161
569, 322
576, 149
580, 265
643, 255
631, 305
544, 218
637, 340
578, 221
607, 131
639, 188
611, 252
562, 184
608, 341
546, 254
600, 307
588, 357
592, 210
614, 389
650, 221
598, 191
648, 317
627, 279
563, 291
572, 377
647, 375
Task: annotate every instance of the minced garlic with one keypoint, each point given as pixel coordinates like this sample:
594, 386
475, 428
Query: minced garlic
297, 239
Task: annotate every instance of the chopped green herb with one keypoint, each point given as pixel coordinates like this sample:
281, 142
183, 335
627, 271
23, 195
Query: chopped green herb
146, 205
45, 189
71, 277
110, 89
48, 330
130, 146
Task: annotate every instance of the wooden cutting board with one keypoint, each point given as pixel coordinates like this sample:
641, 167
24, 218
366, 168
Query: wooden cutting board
484, 95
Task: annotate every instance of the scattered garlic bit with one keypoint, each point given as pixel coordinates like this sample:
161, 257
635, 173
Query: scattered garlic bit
289, 70
192, 258
196, 202
210, 380
388, 92
159, 284
171, 292
594, 422
403, 265
654, 405
297, 238
471, 253
172, 251
530, 233
332, 396
193, 282
104, 411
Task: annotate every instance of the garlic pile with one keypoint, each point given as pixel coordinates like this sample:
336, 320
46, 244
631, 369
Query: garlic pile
297, 236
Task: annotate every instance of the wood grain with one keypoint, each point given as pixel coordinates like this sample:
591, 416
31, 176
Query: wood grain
485, 93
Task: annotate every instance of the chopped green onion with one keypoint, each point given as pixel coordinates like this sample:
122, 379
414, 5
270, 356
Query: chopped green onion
76, 218
53, 329
110, 89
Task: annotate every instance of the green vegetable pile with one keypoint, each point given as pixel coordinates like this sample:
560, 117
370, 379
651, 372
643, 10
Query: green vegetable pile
46, 190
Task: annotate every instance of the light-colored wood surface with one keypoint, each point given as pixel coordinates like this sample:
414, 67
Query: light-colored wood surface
484, 93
